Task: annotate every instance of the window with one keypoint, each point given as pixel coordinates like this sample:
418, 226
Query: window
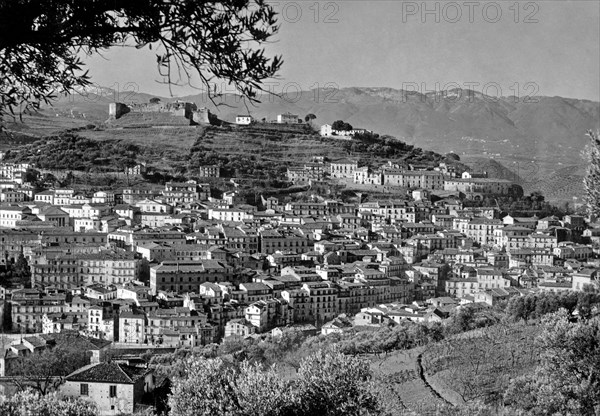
112, 391
83, 389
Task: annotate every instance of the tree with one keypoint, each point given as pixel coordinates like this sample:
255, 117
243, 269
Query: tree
22, 270
331, 383
592, 178
477, 408
69, 179
31, 175
567, 378
452, 156
48, 179
309, 117
213, 387
515, 308
154, 100
341, 125
42, 41
44, 371
516, 190
126, 164
464, 319
479, 364
328, 383
29, 403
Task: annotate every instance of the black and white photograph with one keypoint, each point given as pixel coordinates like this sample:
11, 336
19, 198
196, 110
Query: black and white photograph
300, 208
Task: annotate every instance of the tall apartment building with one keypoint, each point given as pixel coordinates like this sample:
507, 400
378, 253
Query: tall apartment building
186, 276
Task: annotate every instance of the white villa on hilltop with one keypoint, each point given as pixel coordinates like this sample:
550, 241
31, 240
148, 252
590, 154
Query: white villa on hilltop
327, 130
244, 120
287, 118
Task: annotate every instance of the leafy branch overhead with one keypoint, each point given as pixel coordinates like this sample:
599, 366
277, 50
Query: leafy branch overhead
42, 42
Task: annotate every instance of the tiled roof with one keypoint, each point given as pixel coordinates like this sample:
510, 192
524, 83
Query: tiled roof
108, 373
97, 344
36, 342
250, 287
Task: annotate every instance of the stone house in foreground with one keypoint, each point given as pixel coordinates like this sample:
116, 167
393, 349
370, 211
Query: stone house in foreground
115, 388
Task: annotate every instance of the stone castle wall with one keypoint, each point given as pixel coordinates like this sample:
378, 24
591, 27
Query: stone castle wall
116, 110
179, 109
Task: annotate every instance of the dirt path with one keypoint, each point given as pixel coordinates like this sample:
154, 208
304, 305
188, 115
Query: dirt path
423, 377
402, 371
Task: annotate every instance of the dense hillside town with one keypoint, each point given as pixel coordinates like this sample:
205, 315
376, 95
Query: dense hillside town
187, 264
208, 209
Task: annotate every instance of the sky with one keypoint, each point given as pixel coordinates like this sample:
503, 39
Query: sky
502, 48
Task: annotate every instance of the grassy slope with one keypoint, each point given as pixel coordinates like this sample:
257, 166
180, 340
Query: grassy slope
558, 183
33, 127
475, 364
562, 184
164, 148
260, 152
285, 146
406, 390
479, 364
178, 138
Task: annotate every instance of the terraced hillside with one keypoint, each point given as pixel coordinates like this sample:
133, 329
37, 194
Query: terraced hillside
266, 151
283, 145
259, 154
12, 140
563, 184
494, 169
35, 126
164, 148
132, 120
557, 183
536, 140
405, 387
479, 364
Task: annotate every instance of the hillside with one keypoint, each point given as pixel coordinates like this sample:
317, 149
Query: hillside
140, 120
35, 126
496, 169
463, 121
533, 137
290, 146
539, 139
69, 151
466, 122
478, 365
256, 155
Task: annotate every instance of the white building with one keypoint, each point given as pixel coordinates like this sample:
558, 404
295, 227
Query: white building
343, 169
287, 118
243, 120
229, 215
103, 197
115, 388
10, 215
327, 130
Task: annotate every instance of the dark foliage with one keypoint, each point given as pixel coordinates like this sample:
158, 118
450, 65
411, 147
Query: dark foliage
70, 152
341, 125
41, 43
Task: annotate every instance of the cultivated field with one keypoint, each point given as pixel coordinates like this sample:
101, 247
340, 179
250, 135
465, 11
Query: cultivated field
407, 391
